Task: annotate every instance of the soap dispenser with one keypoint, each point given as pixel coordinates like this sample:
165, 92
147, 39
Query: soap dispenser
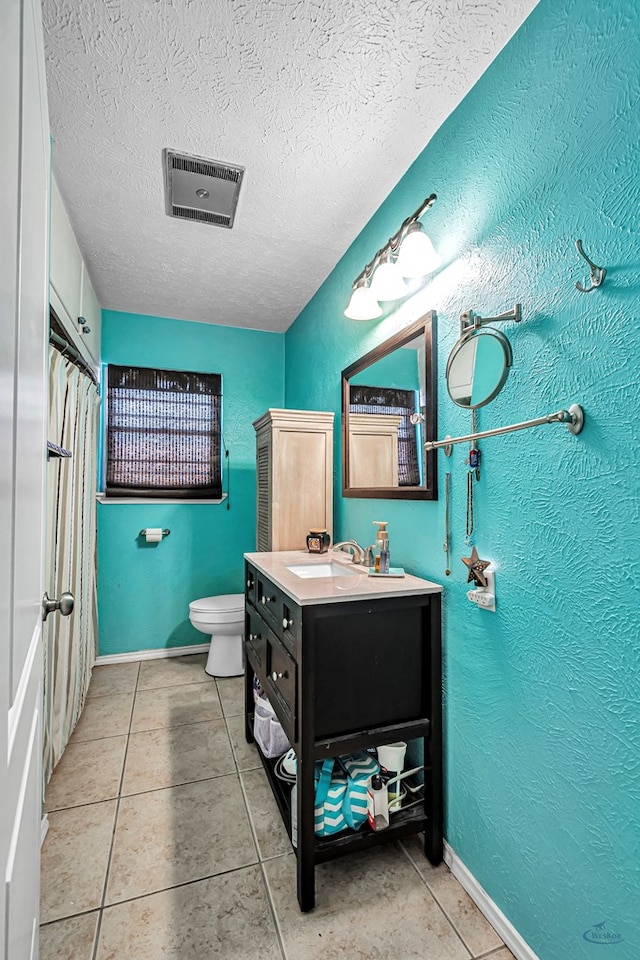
381, 551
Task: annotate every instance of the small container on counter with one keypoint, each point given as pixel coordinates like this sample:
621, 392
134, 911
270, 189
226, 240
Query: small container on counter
318, 541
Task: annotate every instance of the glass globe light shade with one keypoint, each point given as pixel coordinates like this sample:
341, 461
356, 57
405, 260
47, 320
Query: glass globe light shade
363, 305
417, 255
387, 282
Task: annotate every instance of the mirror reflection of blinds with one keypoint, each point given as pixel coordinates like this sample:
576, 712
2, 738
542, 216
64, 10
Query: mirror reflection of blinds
400, 403
163, 433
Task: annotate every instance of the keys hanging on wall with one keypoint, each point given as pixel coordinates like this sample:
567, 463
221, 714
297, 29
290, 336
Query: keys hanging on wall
474, 453
474, 461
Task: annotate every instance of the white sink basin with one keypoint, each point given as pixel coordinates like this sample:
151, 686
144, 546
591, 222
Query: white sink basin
314, 571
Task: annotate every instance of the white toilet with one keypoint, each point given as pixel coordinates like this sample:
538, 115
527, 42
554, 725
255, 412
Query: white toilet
223, 618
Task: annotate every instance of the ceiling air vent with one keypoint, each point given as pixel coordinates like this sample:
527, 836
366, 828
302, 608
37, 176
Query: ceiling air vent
200, 189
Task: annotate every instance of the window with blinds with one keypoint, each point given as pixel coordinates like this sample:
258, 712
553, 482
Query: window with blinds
400, 403
163, 433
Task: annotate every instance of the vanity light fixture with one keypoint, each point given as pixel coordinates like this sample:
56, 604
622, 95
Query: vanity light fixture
417, 254
363, 305
408, 253
387, 282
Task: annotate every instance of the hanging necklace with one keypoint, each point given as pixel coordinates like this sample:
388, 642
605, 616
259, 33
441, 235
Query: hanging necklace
447, 519
473, 472
469, 530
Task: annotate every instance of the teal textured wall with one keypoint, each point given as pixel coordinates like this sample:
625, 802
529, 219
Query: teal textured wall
144, 590
542, 697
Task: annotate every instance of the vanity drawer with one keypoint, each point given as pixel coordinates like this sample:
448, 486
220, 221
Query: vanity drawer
282, 615
280, 685
291, 624
250, 578
255, 645
269, 602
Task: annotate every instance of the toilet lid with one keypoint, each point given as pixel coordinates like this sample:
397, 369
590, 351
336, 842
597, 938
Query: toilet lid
225, 603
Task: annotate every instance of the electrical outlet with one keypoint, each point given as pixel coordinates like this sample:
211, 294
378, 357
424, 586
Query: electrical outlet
485, 597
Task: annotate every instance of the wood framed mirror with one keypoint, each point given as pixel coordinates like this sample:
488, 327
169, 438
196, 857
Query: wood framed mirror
389, 411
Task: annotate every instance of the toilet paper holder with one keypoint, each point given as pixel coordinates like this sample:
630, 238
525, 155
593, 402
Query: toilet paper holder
165, 533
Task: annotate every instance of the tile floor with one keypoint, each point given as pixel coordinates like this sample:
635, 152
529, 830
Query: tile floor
164, 841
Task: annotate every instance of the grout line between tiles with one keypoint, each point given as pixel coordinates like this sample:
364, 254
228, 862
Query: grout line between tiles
274, 913
171, 786
491, 953
80, 913
436, 901
96, 941
162, 686
229, 717
183, 683
177, 886
175, 726
77, 806
267, 888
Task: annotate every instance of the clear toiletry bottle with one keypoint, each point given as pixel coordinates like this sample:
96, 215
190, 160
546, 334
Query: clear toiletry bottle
381, 549
384, 556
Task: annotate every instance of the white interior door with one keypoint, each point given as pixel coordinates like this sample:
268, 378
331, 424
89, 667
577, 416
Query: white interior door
24, 200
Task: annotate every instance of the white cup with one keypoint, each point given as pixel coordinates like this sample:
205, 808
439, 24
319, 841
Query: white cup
391, 759
391, 756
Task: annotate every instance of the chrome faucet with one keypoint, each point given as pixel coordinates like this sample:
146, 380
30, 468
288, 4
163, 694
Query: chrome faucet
358, 555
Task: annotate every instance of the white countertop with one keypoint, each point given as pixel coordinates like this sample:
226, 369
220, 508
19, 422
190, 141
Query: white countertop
356, 586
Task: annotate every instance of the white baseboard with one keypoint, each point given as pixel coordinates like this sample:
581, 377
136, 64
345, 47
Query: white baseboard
44, 827
152, 654
519, 948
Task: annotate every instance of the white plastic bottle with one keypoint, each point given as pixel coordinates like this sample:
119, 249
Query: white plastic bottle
377, 804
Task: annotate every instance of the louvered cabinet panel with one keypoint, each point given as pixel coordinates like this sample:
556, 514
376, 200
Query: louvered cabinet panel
263, 493
294, 489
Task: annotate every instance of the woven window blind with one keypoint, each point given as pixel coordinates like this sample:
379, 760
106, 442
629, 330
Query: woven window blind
401, 403
163, 433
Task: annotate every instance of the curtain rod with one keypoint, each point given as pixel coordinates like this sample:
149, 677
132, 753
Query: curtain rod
67, 350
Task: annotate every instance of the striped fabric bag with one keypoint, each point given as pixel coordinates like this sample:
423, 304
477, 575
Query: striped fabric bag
341, 792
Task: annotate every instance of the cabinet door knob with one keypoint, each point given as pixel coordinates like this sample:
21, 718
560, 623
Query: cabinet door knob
249, 583
278, 676
264, 599
286, 623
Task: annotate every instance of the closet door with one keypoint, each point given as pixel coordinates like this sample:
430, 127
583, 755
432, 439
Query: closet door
24, 201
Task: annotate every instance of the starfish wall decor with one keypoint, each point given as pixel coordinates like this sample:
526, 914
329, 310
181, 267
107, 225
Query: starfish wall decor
476, 568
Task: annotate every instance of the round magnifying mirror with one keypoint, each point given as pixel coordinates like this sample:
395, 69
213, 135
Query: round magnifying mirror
478, 367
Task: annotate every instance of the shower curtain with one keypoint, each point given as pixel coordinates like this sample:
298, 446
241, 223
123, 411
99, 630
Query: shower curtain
70, 643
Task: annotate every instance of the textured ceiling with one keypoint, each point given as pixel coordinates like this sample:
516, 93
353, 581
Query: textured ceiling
325, 102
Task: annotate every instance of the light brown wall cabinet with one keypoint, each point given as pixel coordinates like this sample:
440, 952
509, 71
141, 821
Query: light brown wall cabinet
294, 450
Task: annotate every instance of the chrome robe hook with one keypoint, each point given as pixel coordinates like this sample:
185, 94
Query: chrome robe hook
597, 273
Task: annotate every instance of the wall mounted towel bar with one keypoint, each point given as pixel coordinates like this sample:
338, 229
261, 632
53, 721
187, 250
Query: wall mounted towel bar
573, 418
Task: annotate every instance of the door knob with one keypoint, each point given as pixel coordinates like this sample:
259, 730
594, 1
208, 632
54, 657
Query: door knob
64, 604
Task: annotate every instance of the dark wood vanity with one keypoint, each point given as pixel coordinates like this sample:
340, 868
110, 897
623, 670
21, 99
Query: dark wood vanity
345, 667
